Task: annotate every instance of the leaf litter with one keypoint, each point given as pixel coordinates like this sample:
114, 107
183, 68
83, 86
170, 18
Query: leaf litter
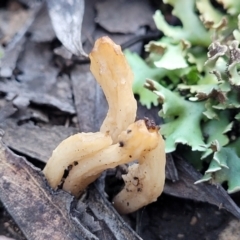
25, 84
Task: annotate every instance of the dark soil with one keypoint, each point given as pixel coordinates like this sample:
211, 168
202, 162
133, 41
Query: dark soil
173, 218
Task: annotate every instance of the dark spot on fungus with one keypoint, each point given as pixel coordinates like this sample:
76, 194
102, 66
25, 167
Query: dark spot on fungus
66, 171
75, 163
135, 178
69, 168
139, 189
65, 175
127, 203
129, 131
121, 144
61, 184
130, 156
150, 124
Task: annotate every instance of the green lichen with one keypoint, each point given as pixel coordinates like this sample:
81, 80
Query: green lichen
194, 72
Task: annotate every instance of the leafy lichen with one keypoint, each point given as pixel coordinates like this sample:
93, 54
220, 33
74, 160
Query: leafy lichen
196, 81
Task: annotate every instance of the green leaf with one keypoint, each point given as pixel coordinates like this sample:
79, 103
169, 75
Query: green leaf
206, 177
182, 119
235, 146
234, 63
216, 129
142, 71
192, 30
213, 167
210, 16
210, 113
228, 157
237, 116
236, 32
172, 55
198, 57
224, 167
232, 6
231, 101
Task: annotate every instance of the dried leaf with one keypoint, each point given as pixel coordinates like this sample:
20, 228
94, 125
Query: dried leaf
112, 225
38, 82
9, 60
12, 22
90, 102
89, 25
185, 188
34, 141
23, 191
136, 14
7, 110
67, 17
41, 29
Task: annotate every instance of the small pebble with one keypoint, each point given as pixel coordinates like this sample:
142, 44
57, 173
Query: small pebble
193, 221
180, 235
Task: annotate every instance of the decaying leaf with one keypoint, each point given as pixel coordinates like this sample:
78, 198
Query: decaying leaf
33, 141
23, 191
38, 81
90, 102
185, 188
9, 60
137, 13
67, 17
41, 30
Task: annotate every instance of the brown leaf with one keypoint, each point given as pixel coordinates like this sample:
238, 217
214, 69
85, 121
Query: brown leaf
11, 22
39, 213
41, 29
88, 25
6, 110
43, 214
124, 16
90, 102
9, 60
38, 82
33, 141
112, 226
67, 17
204, 192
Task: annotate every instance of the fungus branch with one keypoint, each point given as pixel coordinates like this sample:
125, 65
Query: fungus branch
112, 72
133, 143
144, 181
